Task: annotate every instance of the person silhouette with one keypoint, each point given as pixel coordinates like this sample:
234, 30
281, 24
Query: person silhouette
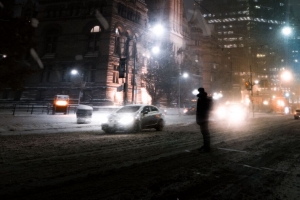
204, 104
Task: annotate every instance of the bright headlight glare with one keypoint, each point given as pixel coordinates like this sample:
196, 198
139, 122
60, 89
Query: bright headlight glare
61, 103
126, 120
103, 119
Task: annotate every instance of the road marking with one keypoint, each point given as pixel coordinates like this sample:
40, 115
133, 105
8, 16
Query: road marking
264, 168
233, 150
252, 167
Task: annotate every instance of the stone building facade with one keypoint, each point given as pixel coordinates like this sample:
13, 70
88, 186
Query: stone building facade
91, 37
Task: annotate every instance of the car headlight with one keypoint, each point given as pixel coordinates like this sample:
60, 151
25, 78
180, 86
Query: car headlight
103, 119
126, 120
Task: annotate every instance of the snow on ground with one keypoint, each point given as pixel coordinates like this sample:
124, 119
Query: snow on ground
25, 123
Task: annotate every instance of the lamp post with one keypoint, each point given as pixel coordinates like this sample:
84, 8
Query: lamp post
82, 83
184, 75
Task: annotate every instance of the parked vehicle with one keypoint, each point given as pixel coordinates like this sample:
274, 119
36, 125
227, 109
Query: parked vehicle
84, 114
134, 118
60, 104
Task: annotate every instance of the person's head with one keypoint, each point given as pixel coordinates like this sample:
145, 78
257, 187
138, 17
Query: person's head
201, 90
202, 93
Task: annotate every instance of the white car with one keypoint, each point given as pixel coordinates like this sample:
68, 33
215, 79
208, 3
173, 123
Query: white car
134, 118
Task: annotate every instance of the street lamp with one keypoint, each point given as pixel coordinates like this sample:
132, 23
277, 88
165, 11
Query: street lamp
3, 55
286, 30
184, 75
75, 72
286, 76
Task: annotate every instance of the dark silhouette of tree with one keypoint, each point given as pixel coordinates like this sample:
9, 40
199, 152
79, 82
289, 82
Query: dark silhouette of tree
162, 76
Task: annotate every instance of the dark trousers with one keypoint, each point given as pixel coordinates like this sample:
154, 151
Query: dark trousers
205, 134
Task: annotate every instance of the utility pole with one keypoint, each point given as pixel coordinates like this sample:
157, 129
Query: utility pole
251, 91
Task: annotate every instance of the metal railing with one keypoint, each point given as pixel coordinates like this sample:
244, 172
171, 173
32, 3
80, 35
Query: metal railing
31, 108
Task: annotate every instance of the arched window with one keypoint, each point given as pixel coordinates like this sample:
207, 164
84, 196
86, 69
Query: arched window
117, 49
93, 40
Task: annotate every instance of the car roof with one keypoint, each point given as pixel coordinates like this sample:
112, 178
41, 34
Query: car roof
139, 105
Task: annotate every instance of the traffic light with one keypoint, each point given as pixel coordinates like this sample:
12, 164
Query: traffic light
122, 67
248, 85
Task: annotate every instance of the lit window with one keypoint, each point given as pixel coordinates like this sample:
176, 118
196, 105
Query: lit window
95, 29
93, 41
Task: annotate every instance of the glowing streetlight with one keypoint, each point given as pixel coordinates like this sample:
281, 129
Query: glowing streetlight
155, 50
184, 75
286, 30
286, 76
75, 72
195, 92
158, 30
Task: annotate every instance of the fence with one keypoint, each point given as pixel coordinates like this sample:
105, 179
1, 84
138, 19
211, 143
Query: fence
30, 108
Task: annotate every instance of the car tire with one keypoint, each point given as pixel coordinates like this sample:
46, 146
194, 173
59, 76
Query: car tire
108, 130
296, 117
137, 126
160, 125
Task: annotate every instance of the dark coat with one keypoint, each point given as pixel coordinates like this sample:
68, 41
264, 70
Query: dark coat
204, 105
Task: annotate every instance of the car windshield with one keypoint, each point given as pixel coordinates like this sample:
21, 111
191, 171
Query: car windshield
129, 109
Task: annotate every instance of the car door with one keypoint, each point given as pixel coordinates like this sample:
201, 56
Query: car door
146, 119
154, 115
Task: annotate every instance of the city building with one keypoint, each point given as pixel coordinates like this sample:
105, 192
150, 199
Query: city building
90, 37
249, 32
83, 46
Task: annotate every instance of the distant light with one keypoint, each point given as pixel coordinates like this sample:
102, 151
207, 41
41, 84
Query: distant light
155, 50
195, 92
217, 96
266, 102
158, 30
4, 56
286, 76
287, 94
74, 72
286, 110
286, 30
256, 81
185, 75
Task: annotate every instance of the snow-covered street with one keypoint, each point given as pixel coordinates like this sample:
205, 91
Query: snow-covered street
258, 159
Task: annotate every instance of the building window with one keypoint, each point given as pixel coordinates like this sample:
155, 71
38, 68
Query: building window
93, 41
116, 74
51, 41
117, 50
